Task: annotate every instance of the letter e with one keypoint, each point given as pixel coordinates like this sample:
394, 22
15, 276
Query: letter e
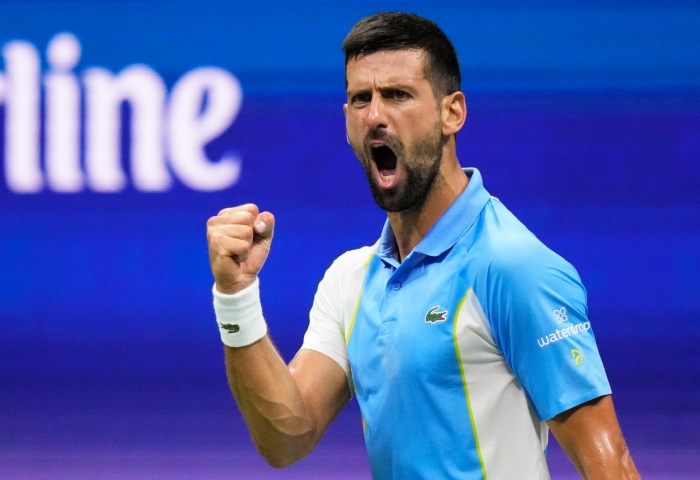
191, 128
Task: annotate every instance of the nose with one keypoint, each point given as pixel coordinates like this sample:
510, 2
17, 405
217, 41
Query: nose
376, 114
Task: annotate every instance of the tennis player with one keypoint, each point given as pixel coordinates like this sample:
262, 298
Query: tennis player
464, 338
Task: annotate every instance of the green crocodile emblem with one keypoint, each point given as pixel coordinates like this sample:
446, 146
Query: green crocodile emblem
230, 327
432, 316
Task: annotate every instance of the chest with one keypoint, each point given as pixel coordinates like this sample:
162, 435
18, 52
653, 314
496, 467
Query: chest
405, 334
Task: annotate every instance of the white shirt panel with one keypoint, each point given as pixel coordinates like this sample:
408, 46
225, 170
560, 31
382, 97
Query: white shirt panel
334, 304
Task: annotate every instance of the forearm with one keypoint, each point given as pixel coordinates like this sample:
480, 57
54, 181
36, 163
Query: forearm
614, 463
287, 409
280, 423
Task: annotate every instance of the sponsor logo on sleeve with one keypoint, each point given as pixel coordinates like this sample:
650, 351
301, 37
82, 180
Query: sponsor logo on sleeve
560, 315
577, 356
561, 333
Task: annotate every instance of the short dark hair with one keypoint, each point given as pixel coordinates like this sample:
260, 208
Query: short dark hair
406, 31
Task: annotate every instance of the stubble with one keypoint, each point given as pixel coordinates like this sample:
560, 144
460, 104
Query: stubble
420, 163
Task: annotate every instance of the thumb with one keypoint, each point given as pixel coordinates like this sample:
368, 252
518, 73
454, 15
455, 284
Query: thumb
265, 225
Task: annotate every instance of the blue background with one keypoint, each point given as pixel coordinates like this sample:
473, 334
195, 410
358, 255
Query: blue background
584, 119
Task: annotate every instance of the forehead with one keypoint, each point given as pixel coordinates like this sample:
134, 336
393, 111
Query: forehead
386, 67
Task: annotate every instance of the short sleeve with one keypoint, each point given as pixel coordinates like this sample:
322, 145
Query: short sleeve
537, 310
325, 332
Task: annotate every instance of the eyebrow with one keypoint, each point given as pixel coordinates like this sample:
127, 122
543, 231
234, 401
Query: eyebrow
383, 89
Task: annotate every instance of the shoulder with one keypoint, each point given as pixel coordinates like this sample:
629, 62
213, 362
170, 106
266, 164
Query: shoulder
509, 252
337, 292
345, 268
352, 260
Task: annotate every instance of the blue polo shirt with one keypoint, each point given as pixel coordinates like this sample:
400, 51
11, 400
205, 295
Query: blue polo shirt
459, 353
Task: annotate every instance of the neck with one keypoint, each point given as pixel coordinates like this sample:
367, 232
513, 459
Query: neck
411, 226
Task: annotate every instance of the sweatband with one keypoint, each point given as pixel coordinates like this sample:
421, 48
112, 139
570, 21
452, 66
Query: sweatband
239, 316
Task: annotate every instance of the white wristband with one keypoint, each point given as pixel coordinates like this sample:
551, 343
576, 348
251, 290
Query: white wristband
239, 316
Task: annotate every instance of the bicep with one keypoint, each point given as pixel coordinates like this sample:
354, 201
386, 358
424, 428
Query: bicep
322, 384
594, 420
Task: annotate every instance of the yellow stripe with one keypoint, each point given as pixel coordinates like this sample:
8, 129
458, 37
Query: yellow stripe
357, 304
466, 389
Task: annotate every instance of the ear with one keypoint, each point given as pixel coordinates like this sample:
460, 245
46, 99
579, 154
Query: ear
453, 110
345, 112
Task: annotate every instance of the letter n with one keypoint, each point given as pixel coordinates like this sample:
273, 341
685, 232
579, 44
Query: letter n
144, 91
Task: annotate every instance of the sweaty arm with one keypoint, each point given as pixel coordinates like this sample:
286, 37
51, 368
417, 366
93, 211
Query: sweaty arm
286, 408
591, 437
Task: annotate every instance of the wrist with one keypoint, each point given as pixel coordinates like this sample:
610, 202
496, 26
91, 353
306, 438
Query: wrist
232, 288
239, 315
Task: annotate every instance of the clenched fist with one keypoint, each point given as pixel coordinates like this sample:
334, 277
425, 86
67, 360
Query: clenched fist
239, 242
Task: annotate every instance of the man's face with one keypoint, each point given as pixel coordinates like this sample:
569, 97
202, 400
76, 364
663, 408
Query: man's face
394, 126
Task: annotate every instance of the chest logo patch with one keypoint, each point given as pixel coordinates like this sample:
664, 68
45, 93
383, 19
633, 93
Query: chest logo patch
434, 316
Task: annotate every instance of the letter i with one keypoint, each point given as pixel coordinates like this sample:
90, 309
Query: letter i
63, 172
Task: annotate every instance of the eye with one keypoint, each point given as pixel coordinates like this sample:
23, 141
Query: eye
396, 94
362, 97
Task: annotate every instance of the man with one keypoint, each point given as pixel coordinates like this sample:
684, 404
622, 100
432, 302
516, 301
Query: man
463, 337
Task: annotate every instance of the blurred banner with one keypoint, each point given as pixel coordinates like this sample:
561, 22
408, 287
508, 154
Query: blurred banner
125, 125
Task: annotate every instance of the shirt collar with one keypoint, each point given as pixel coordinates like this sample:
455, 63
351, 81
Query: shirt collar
450, 226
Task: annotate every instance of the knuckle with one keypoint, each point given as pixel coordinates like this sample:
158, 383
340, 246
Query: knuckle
248, 233
241, 218
222, 251
215, 237
237, 218
224, 211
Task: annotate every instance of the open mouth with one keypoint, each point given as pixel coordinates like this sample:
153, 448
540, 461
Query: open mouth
385, 160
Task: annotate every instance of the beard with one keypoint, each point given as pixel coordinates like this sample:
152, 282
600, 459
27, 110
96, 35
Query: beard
420, 163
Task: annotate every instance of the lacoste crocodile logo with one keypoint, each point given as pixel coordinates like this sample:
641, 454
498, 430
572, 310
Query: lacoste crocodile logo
230, 327
432, 316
